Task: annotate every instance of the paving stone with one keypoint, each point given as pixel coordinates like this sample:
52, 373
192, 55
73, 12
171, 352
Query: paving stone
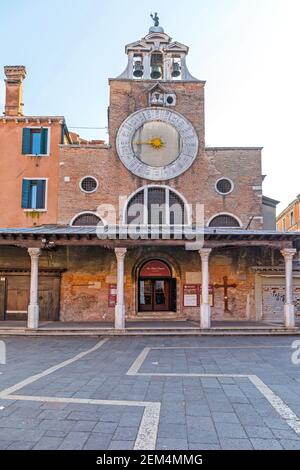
235, 444
125, 434
171, 444
288, 444
5, 444
18, 445
285, 434
197, 409
74, 441
98, 442
202, 447
53, 425
54, 414
167, 430
105, 428
260, 432
220, 417
121, 445
51, 433
266, 444
234, 430
48, 443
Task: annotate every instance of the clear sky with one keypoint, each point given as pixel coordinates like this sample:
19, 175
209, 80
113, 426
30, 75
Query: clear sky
247, 50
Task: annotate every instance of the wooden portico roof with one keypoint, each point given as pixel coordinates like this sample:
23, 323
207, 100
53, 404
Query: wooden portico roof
48, 236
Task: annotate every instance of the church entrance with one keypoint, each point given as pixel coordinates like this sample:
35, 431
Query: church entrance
157, 288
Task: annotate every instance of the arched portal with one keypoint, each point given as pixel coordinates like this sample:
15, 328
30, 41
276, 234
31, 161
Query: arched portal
156, 287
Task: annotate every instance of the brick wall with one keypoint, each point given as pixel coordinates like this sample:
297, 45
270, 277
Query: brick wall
197, 184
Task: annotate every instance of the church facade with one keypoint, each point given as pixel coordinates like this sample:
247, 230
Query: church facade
152, 225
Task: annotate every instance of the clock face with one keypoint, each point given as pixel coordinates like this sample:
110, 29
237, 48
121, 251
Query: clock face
157, 144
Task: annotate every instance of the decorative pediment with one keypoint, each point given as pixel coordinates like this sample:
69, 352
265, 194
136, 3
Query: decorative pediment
158, 88
176, 47
137, 46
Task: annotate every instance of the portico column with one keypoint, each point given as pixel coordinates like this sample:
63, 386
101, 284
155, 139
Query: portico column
33, 308
120, 306
289, 308
205, 322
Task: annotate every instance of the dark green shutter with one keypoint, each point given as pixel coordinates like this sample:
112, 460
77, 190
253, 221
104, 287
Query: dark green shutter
41, 187
25, 194
26, 141
44, 141
173, 295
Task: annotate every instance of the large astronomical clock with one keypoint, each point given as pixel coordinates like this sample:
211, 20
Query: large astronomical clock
157, 144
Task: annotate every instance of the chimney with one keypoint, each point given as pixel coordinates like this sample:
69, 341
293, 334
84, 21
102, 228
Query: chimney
15, 75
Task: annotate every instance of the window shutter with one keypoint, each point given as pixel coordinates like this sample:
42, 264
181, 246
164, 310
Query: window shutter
173, 295
40, 202
25, 194
44, 141
26, 141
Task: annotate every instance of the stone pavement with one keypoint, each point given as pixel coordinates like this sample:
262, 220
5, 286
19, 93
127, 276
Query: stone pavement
178, 393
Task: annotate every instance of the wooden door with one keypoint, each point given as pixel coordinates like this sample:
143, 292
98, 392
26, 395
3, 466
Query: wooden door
17, 299
49, 289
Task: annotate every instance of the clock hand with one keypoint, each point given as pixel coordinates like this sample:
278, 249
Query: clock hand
156, 143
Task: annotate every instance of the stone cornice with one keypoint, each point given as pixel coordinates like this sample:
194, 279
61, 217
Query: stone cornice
36, 119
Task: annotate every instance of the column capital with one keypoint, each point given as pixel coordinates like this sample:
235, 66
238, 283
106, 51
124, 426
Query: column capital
205, 253
120, 253
288, 253
34, 252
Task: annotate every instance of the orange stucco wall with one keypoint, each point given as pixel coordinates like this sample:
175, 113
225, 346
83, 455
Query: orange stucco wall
286, 215
14, 166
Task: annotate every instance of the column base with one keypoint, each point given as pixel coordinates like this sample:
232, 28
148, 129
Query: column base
289, 315
205, 322
33, 317
120, 317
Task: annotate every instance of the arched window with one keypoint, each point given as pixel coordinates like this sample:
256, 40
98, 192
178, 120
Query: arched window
223, 221
156, 205
86, 219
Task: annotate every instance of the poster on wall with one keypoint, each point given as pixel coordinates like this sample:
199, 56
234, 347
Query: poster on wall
211, 295
191, 295
112, 295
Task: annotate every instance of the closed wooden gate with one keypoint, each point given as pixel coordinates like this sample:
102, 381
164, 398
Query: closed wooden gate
15, 295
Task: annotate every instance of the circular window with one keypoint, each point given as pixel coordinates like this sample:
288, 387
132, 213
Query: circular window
224, 186
88, 184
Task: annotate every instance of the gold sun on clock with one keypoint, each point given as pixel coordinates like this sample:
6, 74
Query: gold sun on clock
153, 136
155, 143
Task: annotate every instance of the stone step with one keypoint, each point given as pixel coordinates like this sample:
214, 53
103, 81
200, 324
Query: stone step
227, 331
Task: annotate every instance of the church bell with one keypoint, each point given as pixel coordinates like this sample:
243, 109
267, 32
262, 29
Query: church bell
138, 69
156, 72
176, 70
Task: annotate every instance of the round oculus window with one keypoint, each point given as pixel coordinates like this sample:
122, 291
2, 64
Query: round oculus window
88, 184
224, 186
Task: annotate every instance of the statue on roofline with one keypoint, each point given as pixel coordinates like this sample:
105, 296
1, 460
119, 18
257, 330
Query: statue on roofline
155, 19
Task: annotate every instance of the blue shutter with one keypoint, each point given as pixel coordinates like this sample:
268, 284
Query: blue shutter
41, 189
25, 194
44, 141
26, 141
